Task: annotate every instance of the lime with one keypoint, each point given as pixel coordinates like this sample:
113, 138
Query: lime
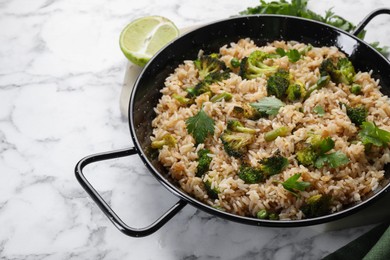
143, 37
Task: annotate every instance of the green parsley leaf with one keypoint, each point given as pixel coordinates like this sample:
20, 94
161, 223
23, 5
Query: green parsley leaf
293, 185
319, 110
334, 160
371, 134
293, 55
200, 126
268, 105
280, 51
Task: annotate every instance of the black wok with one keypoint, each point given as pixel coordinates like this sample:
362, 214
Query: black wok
262, 29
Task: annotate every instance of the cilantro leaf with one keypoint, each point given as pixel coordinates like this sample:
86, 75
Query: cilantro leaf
299, 8
293, 185
371, 134
280, 51
268, 105
293, 55
200, 126
319, 110
334, 160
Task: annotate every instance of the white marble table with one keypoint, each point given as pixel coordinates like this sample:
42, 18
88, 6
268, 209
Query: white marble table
61, 74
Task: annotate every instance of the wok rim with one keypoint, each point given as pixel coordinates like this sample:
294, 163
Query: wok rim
176, 190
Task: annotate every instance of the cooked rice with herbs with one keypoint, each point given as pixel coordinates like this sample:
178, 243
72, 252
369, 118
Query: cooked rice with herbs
282, 131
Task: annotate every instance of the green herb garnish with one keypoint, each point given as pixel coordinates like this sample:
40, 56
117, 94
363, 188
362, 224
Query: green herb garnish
268, 105
334, 160
319, 110
371, 134
200, 126
293, 54
293, 185
299, 8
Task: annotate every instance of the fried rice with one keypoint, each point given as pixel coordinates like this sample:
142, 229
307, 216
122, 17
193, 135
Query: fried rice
346, 184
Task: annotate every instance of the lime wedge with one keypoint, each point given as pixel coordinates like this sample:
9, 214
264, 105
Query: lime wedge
143, 37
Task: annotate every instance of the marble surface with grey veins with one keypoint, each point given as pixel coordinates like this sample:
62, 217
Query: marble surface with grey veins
61, 78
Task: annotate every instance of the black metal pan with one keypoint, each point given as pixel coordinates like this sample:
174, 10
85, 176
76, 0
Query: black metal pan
262, 29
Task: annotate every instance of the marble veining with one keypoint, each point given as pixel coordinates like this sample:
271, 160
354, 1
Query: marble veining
61, 77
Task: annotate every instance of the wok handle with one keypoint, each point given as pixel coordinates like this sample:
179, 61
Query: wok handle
368, 18
134, 232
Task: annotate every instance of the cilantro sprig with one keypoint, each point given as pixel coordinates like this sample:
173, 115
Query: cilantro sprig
293, 54
334, 160
299, 8
370, 134
200, 126
268, 105
293, 185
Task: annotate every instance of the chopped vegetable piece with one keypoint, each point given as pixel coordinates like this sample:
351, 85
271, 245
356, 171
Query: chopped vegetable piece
275, 133
182, 100
273, 165
167, 139
356, 89
235, 143
204, 161
211, 192
207, 64
262, 214
236, 126
235, 62
222, 96
250, 174
317, 205
253, 66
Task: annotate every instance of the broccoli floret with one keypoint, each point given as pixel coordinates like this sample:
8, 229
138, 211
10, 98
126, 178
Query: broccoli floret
217, 76
222, 96
235, 144
207, 64
356, 89
309, 152
237, 126
247, 112
203, 162
344, 72
250, 174
204, 85
277, 85
199, 89
273, 165
252, 67
322, 144
296, 91
167, 139
212, 192
357, 114
317, 205
307, 156
273, 134
327, 67
268, 167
